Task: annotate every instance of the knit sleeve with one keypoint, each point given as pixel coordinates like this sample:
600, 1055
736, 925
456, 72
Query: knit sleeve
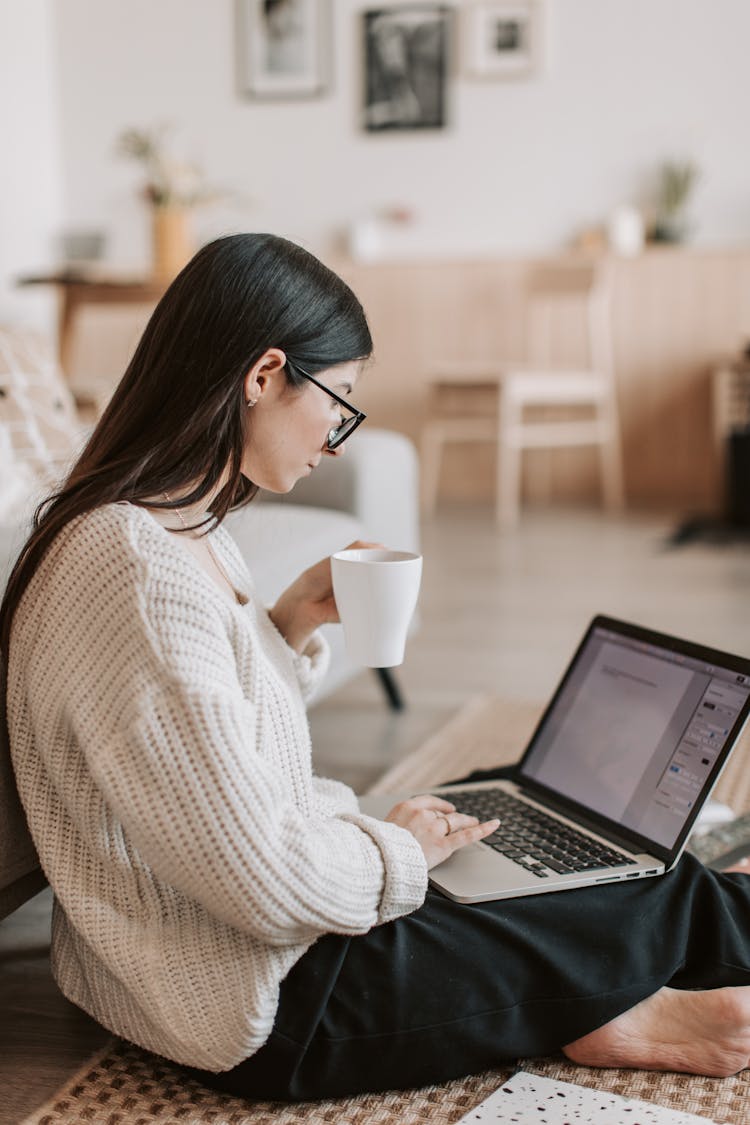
213, 819
170, 740
311, 665
333, 797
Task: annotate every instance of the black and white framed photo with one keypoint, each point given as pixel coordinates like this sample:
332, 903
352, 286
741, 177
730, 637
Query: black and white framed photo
405, 66
283, 48
503, 38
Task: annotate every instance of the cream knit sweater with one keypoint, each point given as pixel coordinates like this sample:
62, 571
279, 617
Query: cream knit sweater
162, 753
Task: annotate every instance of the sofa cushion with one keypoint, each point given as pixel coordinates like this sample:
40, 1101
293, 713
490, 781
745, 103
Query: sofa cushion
36, 404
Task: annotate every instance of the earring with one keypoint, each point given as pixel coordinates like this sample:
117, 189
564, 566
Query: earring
252, 402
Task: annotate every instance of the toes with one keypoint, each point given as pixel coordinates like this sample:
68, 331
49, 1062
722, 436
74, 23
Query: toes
742, 866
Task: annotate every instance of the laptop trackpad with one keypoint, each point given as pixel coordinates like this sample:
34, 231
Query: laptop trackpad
477, 871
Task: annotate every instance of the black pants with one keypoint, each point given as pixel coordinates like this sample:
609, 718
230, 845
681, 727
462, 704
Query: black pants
454, 989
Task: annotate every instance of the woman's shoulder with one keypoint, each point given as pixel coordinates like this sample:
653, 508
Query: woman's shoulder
115, 561
111, 532
118, 546
94, 567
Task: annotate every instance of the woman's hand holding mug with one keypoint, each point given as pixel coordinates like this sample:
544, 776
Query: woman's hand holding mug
309, 602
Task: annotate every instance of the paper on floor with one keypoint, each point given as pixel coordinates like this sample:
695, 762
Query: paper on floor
529, 1098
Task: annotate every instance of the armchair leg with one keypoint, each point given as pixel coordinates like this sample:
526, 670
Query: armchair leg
391, 688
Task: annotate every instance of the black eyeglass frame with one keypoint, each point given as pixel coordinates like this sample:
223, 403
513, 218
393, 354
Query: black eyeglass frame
348, 426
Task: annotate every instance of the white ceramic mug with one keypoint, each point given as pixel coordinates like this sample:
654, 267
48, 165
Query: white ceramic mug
376, 594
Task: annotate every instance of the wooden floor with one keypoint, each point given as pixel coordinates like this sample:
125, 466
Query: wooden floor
500, 612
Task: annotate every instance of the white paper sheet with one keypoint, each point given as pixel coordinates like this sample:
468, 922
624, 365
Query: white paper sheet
528, 1099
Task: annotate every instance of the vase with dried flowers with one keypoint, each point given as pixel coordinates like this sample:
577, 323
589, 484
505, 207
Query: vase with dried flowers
173, 188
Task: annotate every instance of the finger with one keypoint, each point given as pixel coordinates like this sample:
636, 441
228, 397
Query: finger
328, 610
458, 820
441, 805
424, 807
471, 835
363, 544
740, 865
428, 801
447, 823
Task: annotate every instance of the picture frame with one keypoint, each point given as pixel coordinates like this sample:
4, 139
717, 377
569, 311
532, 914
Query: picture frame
283, 48
503, 39
405, 52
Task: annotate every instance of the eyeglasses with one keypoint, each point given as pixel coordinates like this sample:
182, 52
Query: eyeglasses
339, 433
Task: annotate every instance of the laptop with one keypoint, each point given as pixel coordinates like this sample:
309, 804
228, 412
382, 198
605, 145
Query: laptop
616, 772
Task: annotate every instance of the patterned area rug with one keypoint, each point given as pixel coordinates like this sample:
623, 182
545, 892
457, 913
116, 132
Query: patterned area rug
123, 1085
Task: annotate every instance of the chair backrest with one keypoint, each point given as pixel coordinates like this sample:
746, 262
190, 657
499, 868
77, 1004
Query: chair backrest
568, 315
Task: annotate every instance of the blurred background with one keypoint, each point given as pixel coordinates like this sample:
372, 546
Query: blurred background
522, 163
429, 152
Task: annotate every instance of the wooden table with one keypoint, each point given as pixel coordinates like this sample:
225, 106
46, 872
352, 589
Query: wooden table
76, 291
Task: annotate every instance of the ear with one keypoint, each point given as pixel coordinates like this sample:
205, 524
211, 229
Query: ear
264, 374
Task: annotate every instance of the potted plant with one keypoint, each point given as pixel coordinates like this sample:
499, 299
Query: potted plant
676, 183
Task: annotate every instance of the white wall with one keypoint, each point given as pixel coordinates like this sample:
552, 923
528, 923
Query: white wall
523, 166
31, 179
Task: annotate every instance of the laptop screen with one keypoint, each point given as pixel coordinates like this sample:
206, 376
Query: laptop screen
635, 731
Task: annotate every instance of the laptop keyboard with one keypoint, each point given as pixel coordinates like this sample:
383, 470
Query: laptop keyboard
537, 842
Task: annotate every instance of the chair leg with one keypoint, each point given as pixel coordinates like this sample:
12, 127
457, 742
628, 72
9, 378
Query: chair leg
508, 487
430, 457
508, 509
610, 460
391, 688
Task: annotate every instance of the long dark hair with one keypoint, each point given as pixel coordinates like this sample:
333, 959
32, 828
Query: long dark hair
178, 416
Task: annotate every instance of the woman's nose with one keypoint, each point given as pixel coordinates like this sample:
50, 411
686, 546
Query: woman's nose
337, 451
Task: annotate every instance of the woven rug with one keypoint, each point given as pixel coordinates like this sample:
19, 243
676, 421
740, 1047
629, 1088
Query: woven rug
123, 1085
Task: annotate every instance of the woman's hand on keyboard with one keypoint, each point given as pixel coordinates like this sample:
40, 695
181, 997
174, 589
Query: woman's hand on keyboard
437, 827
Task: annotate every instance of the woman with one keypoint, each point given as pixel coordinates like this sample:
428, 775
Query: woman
217, 903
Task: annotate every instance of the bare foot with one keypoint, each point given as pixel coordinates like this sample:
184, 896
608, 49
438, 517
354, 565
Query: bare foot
742, 865
694, 1032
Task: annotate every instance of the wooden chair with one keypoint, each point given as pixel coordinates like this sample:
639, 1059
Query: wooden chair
529, 405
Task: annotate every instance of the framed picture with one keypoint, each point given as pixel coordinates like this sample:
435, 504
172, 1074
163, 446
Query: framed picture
283, 48
503, 38
405, 54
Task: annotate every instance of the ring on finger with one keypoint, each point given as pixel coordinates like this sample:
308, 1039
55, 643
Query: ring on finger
448, 827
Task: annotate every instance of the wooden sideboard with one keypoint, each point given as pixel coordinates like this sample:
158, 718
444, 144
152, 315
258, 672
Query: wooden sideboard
677, 313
